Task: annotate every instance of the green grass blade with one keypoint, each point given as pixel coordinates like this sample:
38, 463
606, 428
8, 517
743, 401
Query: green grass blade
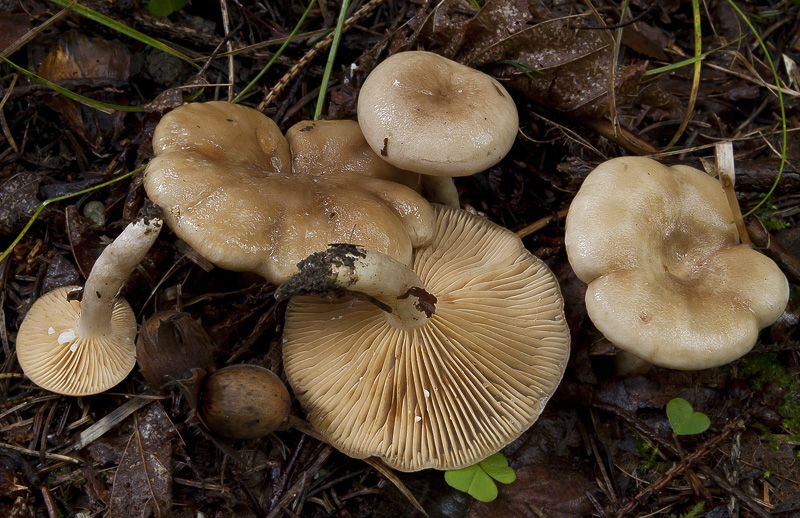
103, 107
124, 29
277, 54
47, 202
780, 101
337, 36
689, 61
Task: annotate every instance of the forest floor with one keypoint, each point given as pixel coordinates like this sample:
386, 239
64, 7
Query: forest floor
602, 447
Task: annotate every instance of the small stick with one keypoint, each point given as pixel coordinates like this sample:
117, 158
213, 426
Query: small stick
727, 176
312, 53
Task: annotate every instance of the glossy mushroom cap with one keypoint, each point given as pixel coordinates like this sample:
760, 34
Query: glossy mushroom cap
451, 391
224, 175
425, 113
336, 147
667, 279
243, 402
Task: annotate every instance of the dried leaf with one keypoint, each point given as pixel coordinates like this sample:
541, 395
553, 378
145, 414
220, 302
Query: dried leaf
143, 481
574, 66
60, 272
84, 239
18, 201
12, 27
552, 491
79, 57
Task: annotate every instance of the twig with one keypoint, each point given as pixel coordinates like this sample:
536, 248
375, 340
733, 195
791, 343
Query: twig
312, 53
34, 453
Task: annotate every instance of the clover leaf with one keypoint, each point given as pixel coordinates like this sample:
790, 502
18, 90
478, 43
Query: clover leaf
684, 420
478, 480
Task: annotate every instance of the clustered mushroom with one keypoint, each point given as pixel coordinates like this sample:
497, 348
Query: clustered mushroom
80, 346
667, 278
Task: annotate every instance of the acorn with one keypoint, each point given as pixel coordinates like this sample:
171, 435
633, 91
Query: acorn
243, 402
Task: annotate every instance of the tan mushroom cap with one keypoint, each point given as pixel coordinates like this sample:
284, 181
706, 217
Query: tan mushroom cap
54, 358
667, 279
458, 388
335, 147
425, 113
223, 174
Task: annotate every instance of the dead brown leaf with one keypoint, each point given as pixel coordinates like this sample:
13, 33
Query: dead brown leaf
18, 201
552, 491
143, 481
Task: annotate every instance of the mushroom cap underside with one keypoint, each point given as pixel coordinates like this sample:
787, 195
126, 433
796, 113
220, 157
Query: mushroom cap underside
667, 279
449, 393
423, 112
54, 357
223, 175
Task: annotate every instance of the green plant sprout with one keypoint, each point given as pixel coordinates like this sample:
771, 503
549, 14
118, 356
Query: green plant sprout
164, 8
684, 420
478, 480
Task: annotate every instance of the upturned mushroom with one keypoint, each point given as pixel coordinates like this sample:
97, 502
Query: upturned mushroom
667, 278
423, 112
85, 346
436, 366
224, 175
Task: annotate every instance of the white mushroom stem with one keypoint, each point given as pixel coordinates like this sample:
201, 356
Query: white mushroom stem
110, 271
387, 282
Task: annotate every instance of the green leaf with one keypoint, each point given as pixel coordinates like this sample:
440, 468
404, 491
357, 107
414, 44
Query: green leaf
164, 8
474, 481
684, 420
496, 466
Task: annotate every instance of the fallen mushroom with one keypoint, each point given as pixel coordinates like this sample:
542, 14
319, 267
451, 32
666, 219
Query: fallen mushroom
243, 402
224, 175
81, 347
423, 112
667, 278
436, 366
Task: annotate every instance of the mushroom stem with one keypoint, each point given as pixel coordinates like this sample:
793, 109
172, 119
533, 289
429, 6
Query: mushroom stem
387, 282
110, 271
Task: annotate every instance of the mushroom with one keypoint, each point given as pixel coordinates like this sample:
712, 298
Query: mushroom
436, 366
81, 347
667, 279
243, 402
423, 112
224, 175
338, 147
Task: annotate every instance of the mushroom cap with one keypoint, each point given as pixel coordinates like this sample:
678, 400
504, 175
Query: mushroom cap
243, 402
453, 391
54, 357
223, 174
338, 147
425, 113
667, 279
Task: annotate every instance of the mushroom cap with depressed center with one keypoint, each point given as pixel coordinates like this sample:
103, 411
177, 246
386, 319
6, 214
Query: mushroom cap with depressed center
223, 174
454, 390
425, 113
667, 279
56, 358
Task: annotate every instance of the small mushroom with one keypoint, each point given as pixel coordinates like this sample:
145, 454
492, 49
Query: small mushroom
667, 278
243, 402
436, 366
423, 112
81, 347
224, 175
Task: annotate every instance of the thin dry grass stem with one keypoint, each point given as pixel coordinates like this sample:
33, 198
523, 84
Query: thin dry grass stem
726, 172
226, 25
321, 45
541, 223
36, 453
6, 130
31, 34
754, 78
698, 50
571, 135
612, 66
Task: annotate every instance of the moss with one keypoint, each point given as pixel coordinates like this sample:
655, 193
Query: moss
761, 368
